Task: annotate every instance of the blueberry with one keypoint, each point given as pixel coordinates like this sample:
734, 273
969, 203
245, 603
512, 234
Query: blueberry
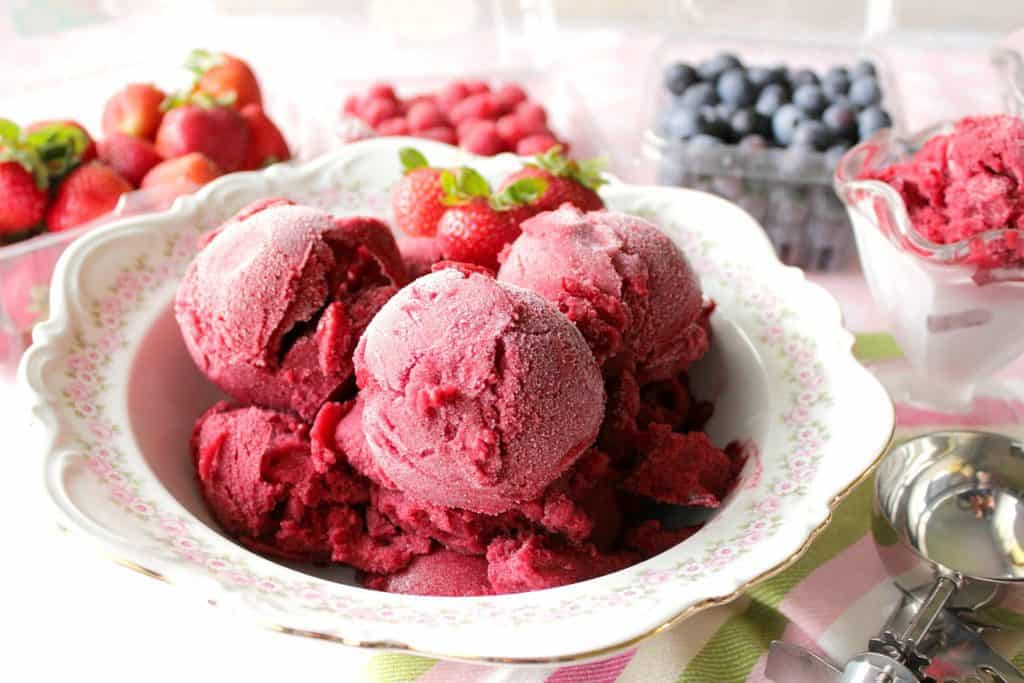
746, 122
836, 83
711, 69
678, 77
726, 110
715, 125
751, 143
864, 91
734, 87
863, 68
834, 153
812, 134
841, 120
784, 123
684, 123
797, 163
798, 77
760, 76
702, 144
698, 95
773, 96
872, 120
810, 99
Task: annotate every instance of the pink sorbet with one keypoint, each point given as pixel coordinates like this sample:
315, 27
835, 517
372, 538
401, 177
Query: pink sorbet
442, 572
263, 486
625, 284
477, 394
965, 183
272, 306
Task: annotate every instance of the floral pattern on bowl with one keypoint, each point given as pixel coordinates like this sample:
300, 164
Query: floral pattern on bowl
117, 394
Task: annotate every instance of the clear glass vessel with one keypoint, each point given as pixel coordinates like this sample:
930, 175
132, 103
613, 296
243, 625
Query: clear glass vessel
955, 309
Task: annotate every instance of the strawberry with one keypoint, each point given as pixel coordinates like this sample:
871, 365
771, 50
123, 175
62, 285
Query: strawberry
87, 154
135, 110
223, 76
23, 182
207, 127
416, 199
567, 181
266, 144
89, 192
130, 156
478, 224
191, 169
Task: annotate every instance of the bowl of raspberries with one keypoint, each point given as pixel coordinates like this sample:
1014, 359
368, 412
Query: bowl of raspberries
767, 135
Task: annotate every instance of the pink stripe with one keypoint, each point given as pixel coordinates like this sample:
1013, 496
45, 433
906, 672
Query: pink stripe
844, 579
604, 671
446, 672
984, 411
792, 634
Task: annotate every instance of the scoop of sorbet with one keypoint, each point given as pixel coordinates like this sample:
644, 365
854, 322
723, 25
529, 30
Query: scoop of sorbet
477, 394
625, 284
259, 479
964, 183
272, 306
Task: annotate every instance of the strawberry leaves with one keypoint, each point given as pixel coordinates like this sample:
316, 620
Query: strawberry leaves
523, 191
464, 184
201, 99
586, 173
200, 61
59, 148
15, 147
412, 159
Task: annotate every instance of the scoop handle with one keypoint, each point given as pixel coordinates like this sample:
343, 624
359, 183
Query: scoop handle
942, 590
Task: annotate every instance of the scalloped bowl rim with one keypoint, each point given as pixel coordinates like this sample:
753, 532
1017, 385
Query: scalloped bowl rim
820, 334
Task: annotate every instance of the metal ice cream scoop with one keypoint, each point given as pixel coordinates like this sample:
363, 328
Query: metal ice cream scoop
952, 503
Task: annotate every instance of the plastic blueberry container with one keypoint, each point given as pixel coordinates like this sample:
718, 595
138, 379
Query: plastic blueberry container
788, 190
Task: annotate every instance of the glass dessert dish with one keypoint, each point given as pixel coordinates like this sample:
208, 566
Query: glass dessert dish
956, 309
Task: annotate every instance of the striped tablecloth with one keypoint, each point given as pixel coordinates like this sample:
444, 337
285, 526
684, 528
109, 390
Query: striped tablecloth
833, 599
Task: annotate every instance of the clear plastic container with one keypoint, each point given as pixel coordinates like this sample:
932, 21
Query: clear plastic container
957, 314
70, 74
1008, 58
788, 190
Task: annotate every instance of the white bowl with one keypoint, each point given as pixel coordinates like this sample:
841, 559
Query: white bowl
118, 394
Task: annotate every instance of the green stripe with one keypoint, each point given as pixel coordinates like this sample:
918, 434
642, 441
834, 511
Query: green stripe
397, 668
1018, 660
737, 645
875, 346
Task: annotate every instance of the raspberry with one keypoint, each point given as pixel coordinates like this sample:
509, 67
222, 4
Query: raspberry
484, 139
452, 94
351, 105
424, 115
511, 129
383, 91
376, 110
509, 95
463, 129
393, 126
480, 106
535, 144
475, 87
532, 115
441, 134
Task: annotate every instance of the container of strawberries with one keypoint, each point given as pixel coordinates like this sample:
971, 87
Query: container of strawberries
57, 180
